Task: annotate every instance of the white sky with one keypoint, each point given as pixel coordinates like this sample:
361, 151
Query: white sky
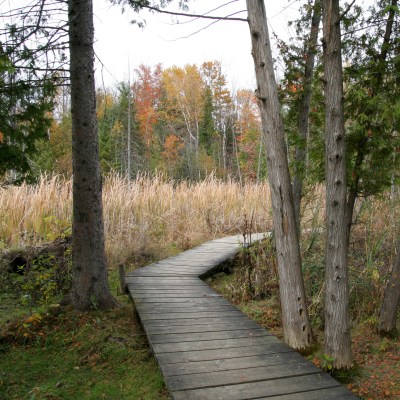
119, 43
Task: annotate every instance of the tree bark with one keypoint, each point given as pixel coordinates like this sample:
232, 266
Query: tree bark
296, 325
304, 111
90, 287
337, 320
391, 300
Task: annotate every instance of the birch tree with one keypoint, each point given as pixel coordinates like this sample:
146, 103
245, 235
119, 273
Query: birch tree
296, 325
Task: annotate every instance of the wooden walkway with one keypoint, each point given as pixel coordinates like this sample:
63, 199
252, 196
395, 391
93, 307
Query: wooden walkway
206, 348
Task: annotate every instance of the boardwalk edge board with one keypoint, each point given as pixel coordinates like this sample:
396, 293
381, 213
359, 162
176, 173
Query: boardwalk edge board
206, 348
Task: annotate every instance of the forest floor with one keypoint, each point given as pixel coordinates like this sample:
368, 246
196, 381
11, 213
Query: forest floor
55, 353
52, 352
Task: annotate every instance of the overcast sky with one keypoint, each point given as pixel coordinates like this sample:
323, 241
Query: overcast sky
119, 43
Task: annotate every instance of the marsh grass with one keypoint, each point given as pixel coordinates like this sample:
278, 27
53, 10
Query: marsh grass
150, 217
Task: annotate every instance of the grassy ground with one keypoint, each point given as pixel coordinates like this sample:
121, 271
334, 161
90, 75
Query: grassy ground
56, 353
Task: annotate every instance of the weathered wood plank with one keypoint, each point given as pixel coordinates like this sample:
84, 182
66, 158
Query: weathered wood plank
220, 354
218, 335
212, 301
261, 360
198, 321
188, 315
187, 312
159, 307
221, 378
177, 295
335, 393
255, 390
165, 291
190, 328
213, 344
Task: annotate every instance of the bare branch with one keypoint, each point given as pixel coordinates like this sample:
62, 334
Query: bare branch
198, 15
344, 13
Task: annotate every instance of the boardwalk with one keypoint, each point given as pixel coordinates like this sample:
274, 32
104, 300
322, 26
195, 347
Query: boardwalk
209, 350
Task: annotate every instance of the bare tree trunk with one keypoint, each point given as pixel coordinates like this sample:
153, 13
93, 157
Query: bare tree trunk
90, 287
296, 325
391, 300
304, 111
337, 321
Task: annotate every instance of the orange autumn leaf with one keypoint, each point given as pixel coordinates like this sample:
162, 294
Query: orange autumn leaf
172, 146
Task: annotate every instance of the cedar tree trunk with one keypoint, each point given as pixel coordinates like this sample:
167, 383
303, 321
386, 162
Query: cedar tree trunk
296, 325
337, 321
391, 300
89, 268
304, 111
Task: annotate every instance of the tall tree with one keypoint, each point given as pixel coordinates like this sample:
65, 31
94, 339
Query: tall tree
90, 287
391, 301
296, 325
372, 100
337, 320
304, 108
25, 112
249, 134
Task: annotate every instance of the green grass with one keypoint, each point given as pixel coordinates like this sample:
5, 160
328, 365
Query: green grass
63, 354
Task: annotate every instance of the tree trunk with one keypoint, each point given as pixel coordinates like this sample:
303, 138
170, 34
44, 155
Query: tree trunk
304, 111
296, 325
337, 321
391, 300
90, 287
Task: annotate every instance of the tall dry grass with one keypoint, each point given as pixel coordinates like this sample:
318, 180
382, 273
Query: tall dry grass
154, 217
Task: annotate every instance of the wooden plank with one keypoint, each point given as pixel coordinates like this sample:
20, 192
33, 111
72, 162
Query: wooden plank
160, 299
160, 281
335, 393
164, 291
255, 390
220, 354
198, 321
160, 286
176, 295
221, 378
261, 360
195, 302
218, 335
213, 344
193, 309
190, 328
212, 301
189, 315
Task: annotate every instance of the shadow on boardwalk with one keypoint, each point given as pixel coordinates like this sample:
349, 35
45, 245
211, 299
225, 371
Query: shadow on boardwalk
207, 348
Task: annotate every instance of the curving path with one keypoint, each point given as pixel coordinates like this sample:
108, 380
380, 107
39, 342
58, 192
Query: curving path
209, 350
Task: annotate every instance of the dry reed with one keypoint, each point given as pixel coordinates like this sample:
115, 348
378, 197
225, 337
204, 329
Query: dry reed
151, 216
